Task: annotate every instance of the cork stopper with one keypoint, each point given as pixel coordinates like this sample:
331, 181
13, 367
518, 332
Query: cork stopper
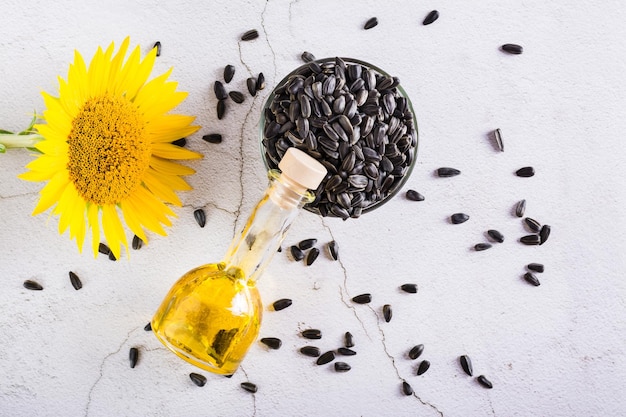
302, 169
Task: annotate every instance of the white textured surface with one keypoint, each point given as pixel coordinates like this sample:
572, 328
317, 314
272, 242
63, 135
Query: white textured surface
553, 350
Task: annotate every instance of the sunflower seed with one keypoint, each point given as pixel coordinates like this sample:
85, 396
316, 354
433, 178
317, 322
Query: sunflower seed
133, 356
495, 235
362, 298
312, 256
530, 240
497, 134
431, 17
342, 367
484, 382
221, 109
387, 313
260, 82
531, 279
281, 304
326, 358
251, 84
544, 233
32, 285
525, 172
148, 327
112, 256
200, 217
348, 340
229, 73
310, 351
137, 242
272, 342
406, 388
311, 334
532, 224
250, 35
447, 172
410, 288
180, 142
249, 386
220, 91
212, 138
520, 208
307, 243
372, 22
423, 367
199, 380
482, 246
466, 364
535, 267
345, 351
307, 56
237, 97
414, 195
512, 48
416, 351
104, 249
458, 218
157, 45
76, 283
297, 254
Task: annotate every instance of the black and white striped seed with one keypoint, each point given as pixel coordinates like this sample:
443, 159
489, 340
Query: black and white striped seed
333, 249
180, 142
423, 367
410, 288
249, 386
520, 208
346, 351
512, 48
311, 334
148, 327
29, 284
544, 233
446, 172
530, 240
482, 380
251, 84
112, 256
482, 246
219, 90
406, 388
495, 235
342, 367
387, 312
326, 358
137, 242
362, 298
198, 379
312, 256
133, 356
229, 73
466, 364
532, 224
272, 342
307, 56
237, 97
532, 279
212, 138
310, 351
458, 218
260, 82
525, 172
371, 22
431, 17
250, 35
535, 267
416, 351
497, 134
104, 249
348, 340
76, 282
281, 304
296, 253
157, 46
200, 217
414, 195
307, 243
221, 109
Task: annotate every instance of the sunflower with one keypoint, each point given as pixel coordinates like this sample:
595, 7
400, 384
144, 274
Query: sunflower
106, 152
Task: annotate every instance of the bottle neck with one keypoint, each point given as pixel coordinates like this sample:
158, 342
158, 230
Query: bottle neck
254, 246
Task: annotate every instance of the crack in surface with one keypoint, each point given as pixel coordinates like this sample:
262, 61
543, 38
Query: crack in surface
253, 394
12, 196
267, 40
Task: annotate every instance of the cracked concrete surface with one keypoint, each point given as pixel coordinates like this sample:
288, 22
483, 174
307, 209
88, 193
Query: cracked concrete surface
552, 350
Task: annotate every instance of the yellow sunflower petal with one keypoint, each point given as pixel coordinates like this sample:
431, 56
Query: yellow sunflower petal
169, 151
160, 189
52, 191
44, 167
94, 224
171, 181
113, 230
170, 127
133, 221
169, 167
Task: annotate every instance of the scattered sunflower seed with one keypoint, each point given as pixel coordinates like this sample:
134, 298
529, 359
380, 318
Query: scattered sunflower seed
525, 172
280, 249
423, 367
458, 218
530, 240
307, 244
387, 313
348, 340
326, 358
466, 364
148, 327
333, 249
307, 56
272, 342
362, 298
229, 73
520, 208
484, 382
532, 279
297, 254
112, 256
137, 242
180, 142
497, 134
414, 195
200, 217
495, 235
220, 91
199, 380
32, 285
237, 97
212, 138
532, 224
250, 35
544, 233
251, 84
133, 356
76, 283
221, 109
312, 334
410, 288
446, 172
431, 17
260, 82
372, 22
406, 388
482, 246
416, 351
249, 386
281, 304
342, 367
312, 256
512, 48
157, 45
310, 351
346, 352
535, 267
104, 249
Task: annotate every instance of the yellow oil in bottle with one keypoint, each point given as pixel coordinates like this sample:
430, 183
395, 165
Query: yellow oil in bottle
210, 317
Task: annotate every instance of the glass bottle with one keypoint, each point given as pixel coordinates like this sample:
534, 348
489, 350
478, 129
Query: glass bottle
212, 314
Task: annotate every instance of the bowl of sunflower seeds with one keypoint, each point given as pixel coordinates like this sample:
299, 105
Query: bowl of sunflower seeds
352, 117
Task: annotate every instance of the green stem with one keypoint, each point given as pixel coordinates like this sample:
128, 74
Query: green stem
13, 140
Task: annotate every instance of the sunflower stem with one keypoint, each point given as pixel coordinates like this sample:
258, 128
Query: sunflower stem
16, 140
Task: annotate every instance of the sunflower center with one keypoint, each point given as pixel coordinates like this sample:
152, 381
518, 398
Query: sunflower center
108, 150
